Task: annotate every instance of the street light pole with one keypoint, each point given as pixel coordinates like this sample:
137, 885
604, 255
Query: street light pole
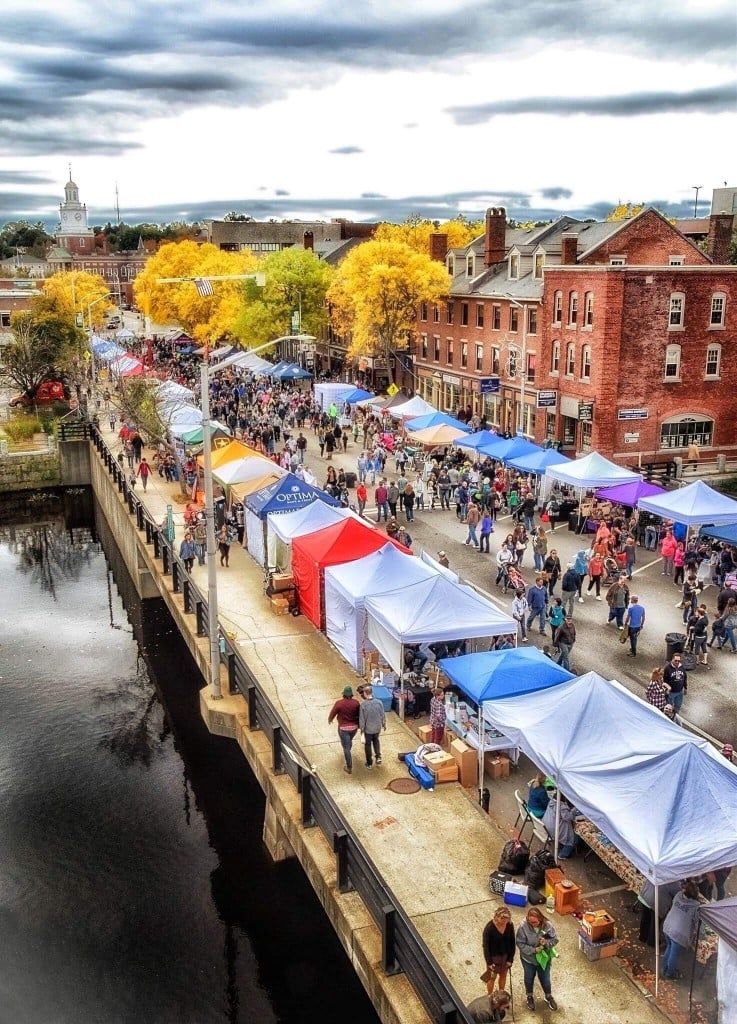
89, 327
212, 585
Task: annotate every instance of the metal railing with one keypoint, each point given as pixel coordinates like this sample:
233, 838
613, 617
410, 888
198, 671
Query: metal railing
75, 430
403, 950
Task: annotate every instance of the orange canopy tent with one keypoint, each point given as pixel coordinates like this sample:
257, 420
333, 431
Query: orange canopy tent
233, 450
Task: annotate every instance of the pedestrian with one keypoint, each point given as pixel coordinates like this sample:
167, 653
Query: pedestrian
200, 540
630, 557
486, 528
657, 692
132, 480
346, 709
689, 597
188, 551
224, 542
112, 419
519, 612
473, 518
634, 621
437, 717
380, 499
680, 927
569, 588
596, 572
371, 722
539, 548
536, 941
668, 547
537, 602
564, 640
581, 566
698, 625
409, 502
499, 949
144, 471
618, 598
675, 678
551, 567
392, 497
361, 497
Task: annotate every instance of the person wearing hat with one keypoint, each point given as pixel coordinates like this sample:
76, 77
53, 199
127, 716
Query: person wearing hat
346, 709
564, 639
569, 588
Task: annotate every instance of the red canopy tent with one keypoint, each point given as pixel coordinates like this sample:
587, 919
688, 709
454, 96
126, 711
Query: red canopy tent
312, 552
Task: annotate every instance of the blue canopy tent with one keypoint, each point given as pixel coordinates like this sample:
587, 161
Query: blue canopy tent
505, 449
726, 533
274, 371
292, 372
359, 395
435, 419
285, 495
695, 505
494, 675
538, 462
478, 439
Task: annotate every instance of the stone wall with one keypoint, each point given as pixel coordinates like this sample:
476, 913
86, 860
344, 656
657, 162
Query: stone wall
29, 471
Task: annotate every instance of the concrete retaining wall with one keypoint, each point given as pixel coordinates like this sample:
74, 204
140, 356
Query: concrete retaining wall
30, 471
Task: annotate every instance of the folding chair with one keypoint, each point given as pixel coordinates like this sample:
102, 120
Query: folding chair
523, 814
541, 833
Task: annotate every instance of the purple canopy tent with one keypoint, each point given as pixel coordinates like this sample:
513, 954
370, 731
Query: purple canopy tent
629, 493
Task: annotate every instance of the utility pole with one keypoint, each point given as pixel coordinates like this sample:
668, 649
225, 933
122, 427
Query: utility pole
697, 189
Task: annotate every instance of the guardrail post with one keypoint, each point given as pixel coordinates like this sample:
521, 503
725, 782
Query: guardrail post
186, 593
340, 848
199, 610
157, 544
175, 576
388, 940
166, 560
448, 1014
147, 527
230, 666
252, 715
304, 787
277, 761
139, 516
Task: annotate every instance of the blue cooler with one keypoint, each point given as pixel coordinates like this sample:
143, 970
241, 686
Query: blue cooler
515, 893
384, 694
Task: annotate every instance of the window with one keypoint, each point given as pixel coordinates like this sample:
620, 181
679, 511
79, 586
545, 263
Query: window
555, 358
675, 311
539, 264
617, 261
531, 361
451, 264
5, 318
676, 261
532, 319
496, 318
570, 360
480, 314
513, 319
495, 360
436, 348
558, 308
718, 303
436, 314
464, 354
514, 266
512, 363
572, 309
423, 312
450, 312
588, 309
713, 360
449, 356
586, 431
464, 314
673, 362
586, 362
681, 431
479, 357
470, 265
423, 346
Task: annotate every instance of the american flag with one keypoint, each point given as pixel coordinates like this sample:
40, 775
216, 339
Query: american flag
204, 286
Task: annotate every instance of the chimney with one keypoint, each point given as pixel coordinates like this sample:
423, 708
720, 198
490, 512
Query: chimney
309, 240
568, 249
719, 241
495, 236
438, 246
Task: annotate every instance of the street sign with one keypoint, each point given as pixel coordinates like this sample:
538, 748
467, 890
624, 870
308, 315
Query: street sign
585, 412
392, 390
296, 322
632, 414
79, 319
547, 399
489, 385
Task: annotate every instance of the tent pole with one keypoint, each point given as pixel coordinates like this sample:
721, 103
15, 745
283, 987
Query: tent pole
481, 751
693, 971
557, 821
657, 938
401, 682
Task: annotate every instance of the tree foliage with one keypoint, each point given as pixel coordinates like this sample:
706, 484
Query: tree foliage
126, 237
415, 232
206, 318
139, 403
376, 293
45, 342
75, 291
21, 237
625, 211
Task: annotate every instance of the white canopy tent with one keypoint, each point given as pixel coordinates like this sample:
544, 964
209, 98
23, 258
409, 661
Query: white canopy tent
171, 390
430, 611
413, 407
251, 468
332, 391
722, 918
247, 361
283, 527
591, 471
695, 505
348, 585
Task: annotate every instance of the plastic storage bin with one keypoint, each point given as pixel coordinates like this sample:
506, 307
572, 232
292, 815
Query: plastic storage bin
598, 950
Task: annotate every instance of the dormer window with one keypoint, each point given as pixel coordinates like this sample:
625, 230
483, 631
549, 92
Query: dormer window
451, 264
539, 265
514, 266
470, 264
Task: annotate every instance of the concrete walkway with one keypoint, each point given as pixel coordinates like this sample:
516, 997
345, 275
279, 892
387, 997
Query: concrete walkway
435, 849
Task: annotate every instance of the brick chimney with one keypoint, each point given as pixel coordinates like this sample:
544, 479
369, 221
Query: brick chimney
568, 249
719, 240
495, 236
438, 246
309, 240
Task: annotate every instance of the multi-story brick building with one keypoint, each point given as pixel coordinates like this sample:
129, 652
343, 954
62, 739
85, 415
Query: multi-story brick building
616, 336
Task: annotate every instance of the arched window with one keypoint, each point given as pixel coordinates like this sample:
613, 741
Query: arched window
555, 358
676, 311
572, 308
558, 308
673, 362
681, 431
570, 360
586, 362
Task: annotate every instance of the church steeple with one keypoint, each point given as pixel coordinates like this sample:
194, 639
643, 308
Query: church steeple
74, 232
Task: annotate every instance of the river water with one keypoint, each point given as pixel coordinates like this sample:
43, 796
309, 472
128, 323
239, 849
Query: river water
134, 886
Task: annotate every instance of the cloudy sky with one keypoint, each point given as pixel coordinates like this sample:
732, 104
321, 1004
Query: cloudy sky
372, 110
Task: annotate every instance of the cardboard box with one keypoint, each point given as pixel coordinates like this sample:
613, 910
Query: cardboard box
425, 734
597, 926
496, 766
598, 950
281, 581
552, 877
467, 760
515, 893
443, 766
279, 605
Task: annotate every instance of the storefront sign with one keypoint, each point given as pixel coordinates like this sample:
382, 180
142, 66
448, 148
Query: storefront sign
632, 438
586, 412
569, 407
450, 379
632, 414
547, 399
489, 385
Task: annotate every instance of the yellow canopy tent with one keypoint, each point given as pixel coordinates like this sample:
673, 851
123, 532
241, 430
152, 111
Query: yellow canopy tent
234, 450
239, 492
443, 433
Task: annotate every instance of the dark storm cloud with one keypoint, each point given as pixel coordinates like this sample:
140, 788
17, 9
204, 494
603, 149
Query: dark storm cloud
556, 193
104, 76
23, 178
27, 206
346, 150
715, 100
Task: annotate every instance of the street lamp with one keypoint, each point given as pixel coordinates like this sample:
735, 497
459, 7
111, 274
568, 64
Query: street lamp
89, 326
523, 378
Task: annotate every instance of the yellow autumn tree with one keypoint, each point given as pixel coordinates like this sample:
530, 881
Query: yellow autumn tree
77, 292
416, 231
625, 211
206, 318
376, 292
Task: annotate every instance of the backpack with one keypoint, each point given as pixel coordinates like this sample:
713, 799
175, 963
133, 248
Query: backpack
515, 857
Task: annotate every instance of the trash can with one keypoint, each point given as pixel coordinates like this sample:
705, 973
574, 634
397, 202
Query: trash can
674, 644
350, 479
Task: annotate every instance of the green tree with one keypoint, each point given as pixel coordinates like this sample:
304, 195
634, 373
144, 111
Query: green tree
21, 236
45, 342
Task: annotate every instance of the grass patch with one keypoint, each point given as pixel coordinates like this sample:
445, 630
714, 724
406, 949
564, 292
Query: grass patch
728, 486
22, 429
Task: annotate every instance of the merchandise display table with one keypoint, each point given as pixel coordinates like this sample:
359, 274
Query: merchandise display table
493, 740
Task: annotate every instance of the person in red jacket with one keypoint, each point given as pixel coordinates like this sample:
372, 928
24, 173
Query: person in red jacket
144, 471
346, 709
361, 498
667, 550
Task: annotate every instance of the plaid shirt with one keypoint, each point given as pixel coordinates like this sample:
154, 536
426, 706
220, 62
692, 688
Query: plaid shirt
657, 695
437, 712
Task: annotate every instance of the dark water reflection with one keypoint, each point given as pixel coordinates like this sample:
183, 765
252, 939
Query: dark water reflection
134, 885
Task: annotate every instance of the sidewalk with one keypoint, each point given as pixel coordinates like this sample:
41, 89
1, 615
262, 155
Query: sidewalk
436, 849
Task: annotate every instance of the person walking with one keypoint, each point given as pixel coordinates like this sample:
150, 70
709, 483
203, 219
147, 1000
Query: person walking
144, 471
473, 518
596, 572
408, 497
392, 497
200, 540
634, 621
668, 547
499, 949
537, 602
382, 505
519, 612
188, 551
551, 566
539, 548
361, 498
569, 588
437, 717
680, 928
564, 639
536, 941
486, 528
224, 542
347, 710
618, 598
675, 678
371, 722
698, 626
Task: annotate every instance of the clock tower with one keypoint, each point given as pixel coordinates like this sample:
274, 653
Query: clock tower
74, 234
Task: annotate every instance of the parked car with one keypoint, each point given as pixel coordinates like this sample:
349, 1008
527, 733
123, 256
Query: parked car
46, 393
114, 321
